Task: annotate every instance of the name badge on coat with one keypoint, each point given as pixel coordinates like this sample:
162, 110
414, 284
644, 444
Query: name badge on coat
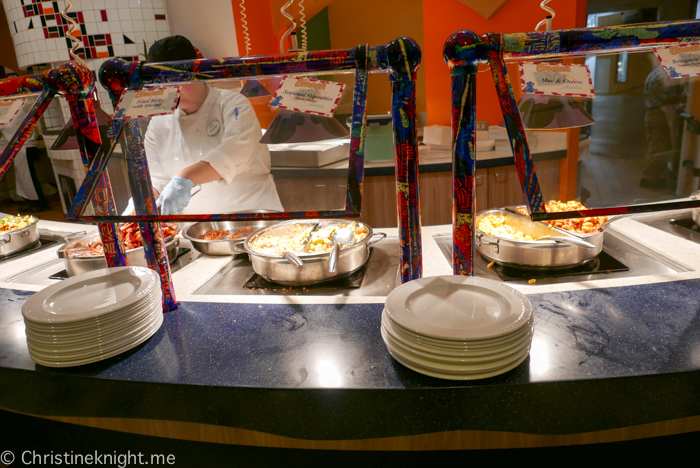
213, 127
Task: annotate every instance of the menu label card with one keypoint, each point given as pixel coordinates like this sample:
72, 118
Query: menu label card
307, 95
147, 103
680, 60
558, 79
9, 109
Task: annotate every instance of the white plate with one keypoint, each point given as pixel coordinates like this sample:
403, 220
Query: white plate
455, 356
81, 325
458, 308
454, 345
97, 330
448, 376
90, 295
100, 357
453, 368
90, 345
465, 364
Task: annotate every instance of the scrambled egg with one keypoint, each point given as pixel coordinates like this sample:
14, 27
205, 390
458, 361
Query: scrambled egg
495, 225
291, 240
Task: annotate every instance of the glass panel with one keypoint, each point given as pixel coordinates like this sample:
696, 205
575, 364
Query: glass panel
642, 146
218, 148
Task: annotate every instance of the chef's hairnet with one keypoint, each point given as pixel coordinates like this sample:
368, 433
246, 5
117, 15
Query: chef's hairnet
172, 48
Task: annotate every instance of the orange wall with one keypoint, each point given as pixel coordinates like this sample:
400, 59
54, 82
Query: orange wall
259, 18
441, 18
350, 25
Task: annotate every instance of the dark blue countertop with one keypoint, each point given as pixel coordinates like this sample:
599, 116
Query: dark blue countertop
601, 359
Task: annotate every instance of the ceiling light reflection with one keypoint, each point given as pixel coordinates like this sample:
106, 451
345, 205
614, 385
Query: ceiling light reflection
539, 357
328, 374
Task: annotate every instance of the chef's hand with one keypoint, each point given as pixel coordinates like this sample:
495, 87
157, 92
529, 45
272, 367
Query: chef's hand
175, 196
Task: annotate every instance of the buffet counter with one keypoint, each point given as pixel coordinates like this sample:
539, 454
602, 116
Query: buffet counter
613, 358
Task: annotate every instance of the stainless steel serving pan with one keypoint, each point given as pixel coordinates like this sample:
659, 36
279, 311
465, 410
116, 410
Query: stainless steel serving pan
18, 239
534, 254
77, 264
223, 246
314, 270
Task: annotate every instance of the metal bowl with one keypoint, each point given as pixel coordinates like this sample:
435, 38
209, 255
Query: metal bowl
537, 255
76, 264
314, 269
18, 239
223, 246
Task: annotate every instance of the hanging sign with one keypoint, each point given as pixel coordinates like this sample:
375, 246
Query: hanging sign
557, 79
307, 95
680, 60
9, 109
147, 103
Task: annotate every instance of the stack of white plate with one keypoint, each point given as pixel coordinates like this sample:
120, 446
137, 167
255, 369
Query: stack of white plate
93, 316
457, 327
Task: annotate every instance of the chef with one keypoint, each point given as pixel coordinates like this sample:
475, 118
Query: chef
211, 139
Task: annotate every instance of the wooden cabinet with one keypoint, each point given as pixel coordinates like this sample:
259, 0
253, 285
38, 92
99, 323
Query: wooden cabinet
495, 187
504, 187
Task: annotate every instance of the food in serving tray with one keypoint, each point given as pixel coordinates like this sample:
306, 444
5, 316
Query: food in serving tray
321, 238
132, 240
580, 225
497, 225
220, 234
12, 223
291, 240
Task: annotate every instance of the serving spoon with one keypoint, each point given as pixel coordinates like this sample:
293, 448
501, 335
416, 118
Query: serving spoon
342, 236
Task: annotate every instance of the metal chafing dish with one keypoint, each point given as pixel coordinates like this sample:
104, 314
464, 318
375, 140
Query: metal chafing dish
76, 263
535, 254
18, 239
314, 268
222, 246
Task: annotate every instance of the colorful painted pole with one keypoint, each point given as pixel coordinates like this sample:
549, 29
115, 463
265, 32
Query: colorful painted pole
604, 39
142, 193
402, 57
463, 169
464, 150
144, 203
464, 50
514, 125
76, 83
353, 200
16, 87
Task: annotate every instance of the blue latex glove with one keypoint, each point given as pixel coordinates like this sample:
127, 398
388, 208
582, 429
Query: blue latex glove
175, 196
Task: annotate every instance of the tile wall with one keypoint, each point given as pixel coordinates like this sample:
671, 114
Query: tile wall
104, 29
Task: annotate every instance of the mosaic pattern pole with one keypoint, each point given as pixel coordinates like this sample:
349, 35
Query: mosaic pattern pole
15, 87
514, 125
403, 56
77, 84
353, 199
463, 169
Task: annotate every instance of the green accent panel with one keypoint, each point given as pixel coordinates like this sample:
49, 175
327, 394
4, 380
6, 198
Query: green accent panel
318, 32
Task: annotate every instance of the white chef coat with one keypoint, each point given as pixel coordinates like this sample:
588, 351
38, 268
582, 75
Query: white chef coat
224, 132
24, 186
